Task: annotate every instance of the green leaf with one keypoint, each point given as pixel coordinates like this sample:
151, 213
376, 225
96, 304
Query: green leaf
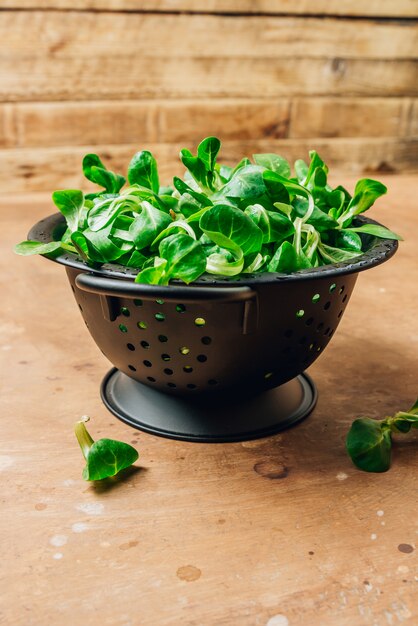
70, 203
185, 257
301, 170
143, 170
315, 163
147, 225
95, 171
336, 255
285, 259
108, 457
246, 183
376, 230
274, 226
276, 190
153, 275
369, 445
207, 152
105, 457
365, 194
101, 247
26, 248
347, 240
273, 162
224, 224
320, 220
196, 168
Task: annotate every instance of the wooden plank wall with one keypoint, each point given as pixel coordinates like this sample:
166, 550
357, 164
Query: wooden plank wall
276, 75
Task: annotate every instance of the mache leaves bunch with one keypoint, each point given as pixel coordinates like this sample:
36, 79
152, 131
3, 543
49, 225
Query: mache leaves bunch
220, 220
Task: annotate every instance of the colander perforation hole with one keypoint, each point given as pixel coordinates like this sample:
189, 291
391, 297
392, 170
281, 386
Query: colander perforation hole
80, 307
212, 382
166, 357
147, 363
72, 288
132, 368
172, 385
327, 305
200, 321
191, 386
145, 345
130, 346
202, 358
123, 328
332, 288
180, 308
168, 371
300, 313
151, 379
159, 301
206, 341
309, 321
125, 311
138, 302
345, 298
184, 350
316, 298
327, 330
160, 317
142, 325
339, 314
341, 290
268, 375
162, 338
320, 327
188, 369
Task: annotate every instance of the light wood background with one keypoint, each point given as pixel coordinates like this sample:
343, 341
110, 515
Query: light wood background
115, 76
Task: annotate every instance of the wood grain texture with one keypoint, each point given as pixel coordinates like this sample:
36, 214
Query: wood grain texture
198, 535
57, 168
373, 8
120, 56
51, 124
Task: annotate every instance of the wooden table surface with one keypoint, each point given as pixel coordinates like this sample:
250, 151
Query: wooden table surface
282, 531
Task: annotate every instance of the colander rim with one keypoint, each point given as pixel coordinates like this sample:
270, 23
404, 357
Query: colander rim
380, 251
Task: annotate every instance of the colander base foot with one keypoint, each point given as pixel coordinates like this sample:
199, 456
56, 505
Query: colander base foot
218, 418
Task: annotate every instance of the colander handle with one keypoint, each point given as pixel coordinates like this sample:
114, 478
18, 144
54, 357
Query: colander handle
123, 289
109, 289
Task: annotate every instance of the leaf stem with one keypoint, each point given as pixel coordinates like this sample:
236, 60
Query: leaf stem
83, 437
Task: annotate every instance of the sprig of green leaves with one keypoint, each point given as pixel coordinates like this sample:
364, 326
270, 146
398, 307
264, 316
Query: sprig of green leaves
254, 217
369, 442
105, 457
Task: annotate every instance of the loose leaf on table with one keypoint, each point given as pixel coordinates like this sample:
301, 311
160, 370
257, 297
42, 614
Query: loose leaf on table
369, 445
95, 171
143, 171
70, 203
105, 457
369, 441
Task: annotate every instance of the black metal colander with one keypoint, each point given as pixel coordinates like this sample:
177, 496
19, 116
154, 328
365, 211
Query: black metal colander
218, 360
